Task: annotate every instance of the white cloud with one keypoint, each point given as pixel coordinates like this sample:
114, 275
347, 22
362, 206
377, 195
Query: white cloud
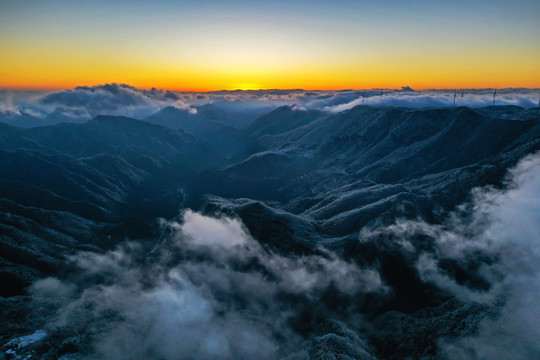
85, 102
513, 236
115, 99
210, 291
206, 231
502, 226
51, 287
441, 98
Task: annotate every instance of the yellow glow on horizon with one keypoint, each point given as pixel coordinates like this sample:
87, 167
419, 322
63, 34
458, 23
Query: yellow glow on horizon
42, 70
50, 67
244, 86
204, 46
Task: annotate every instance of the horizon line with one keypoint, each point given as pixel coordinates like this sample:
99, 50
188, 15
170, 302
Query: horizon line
40, 89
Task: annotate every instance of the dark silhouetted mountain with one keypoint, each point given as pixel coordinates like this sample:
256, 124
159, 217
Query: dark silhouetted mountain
64, 115
231, 114
281, 120
103, 134
216, 134
20, 119
407, 88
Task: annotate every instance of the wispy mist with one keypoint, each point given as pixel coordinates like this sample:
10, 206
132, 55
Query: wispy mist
210, 291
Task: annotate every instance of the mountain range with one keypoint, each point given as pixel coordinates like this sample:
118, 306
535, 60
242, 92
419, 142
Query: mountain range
301, 182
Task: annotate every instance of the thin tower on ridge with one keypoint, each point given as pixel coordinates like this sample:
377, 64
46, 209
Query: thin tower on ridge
494, 95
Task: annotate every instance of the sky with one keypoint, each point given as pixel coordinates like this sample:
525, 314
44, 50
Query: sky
213, 45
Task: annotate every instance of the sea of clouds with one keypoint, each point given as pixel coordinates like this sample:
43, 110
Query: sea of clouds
85, 102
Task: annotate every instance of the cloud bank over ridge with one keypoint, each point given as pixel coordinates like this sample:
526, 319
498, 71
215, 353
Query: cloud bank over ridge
115, 99
85, 102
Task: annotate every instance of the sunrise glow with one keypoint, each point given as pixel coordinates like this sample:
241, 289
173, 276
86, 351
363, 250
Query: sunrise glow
245, 45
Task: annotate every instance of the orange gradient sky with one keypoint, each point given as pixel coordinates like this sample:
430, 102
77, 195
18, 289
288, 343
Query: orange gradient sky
188, 45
